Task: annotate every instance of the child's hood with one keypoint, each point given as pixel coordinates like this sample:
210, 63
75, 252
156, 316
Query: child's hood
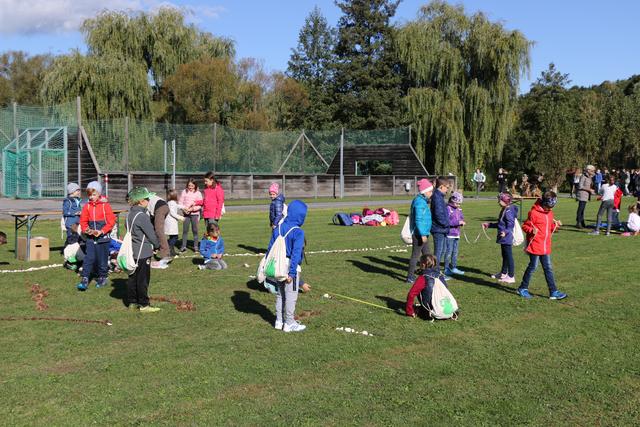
296, 214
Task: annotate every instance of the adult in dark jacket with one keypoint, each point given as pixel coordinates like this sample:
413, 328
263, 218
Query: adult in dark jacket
439, 219
144, 239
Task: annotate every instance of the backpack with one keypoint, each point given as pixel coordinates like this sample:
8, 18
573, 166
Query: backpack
406, 234
393, 218
442, 305
342, 218
125, 259
518, 235
276, 264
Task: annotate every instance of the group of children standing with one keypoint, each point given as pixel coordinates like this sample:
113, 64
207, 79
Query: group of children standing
430, 216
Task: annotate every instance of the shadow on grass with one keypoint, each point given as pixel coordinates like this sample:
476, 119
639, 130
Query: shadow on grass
119, 290
371, 268
197, 261
253, 249
253, 284
400, 265
243, 303
394, 304
4, 263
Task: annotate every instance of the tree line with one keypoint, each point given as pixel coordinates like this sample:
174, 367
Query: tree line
453, 76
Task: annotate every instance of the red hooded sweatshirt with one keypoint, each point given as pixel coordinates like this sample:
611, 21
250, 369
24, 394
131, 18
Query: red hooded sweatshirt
539, 227
213, 199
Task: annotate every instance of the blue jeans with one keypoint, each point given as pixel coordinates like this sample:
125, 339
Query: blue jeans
546, 266
173, 239
439, 244
451, 254
96, 260
508, 266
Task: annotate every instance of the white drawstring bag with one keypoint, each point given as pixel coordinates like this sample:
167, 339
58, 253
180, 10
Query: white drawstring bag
443, 304
406, 234
125, 259
518, 235
276, 265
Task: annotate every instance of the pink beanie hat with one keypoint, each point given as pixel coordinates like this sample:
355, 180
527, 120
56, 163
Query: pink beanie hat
274, 188
424, 185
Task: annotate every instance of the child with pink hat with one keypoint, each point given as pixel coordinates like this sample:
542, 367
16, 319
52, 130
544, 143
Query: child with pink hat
278, 208
420, 223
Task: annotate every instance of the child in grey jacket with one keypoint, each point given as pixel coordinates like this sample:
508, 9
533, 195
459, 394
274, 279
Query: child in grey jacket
144, 239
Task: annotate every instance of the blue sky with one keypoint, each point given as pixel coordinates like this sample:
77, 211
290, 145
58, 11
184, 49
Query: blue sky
591, 40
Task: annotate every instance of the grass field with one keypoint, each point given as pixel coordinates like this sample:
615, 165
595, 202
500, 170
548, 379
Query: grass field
506, 361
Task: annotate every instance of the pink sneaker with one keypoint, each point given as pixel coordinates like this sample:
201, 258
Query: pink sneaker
498, 276
508, 279
626, 234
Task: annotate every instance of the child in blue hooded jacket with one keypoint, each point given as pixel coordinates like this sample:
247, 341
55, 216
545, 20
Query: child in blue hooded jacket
287, 291
212, 249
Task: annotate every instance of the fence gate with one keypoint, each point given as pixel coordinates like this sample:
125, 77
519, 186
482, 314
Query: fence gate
34, 165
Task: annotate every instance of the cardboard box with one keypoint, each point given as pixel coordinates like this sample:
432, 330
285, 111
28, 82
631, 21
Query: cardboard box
38, 251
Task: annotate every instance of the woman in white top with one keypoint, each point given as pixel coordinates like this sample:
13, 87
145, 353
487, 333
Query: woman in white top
607, 196
479, 178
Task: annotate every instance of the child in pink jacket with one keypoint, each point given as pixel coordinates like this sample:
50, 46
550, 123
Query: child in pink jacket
213, 199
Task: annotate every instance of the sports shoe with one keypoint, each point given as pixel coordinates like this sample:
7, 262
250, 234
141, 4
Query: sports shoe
508, 279
448, 272
101, 282
149, 309
410, 280
457, 271
607, 234
82, 286
159, 264
557, 295
202, 267
294, 327
594, 233
133, 307
447, 277
278, 325
183, 250
524, 293
498, 276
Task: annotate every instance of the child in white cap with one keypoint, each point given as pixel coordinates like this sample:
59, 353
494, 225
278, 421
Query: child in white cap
71, 207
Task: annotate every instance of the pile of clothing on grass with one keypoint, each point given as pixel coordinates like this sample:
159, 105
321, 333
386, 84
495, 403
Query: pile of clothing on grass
380, 217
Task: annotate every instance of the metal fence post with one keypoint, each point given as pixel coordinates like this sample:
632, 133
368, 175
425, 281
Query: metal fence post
126, 154
342, 163
251, 184
369, 184
215, 145
284, 184
393, 186
173, 175
315, 186
15, 120
165, 155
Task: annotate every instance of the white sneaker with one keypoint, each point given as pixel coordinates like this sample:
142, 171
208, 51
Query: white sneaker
278, 324
508, 279
201, 267
159, 264
294, 327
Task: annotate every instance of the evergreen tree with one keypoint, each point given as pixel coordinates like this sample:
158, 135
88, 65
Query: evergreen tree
367, 77
311, 64
21, 77
464, 74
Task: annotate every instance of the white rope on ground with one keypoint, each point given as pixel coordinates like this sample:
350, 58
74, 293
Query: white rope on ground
245, 254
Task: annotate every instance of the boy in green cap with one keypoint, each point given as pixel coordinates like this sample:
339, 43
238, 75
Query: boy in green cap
144, 239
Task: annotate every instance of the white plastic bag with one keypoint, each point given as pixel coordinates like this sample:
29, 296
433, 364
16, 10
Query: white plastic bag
518, 235
406, 234
276, 262
125, 259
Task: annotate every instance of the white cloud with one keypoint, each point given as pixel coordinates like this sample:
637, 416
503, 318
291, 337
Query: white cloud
24, 17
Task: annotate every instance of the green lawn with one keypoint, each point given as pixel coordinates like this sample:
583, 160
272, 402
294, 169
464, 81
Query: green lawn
506, 361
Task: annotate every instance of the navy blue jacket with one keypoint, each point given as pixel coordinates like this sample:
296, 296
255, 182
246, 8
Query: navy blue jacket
296, 214
71, 208
275, 210
439, 213
505, 224
429, 276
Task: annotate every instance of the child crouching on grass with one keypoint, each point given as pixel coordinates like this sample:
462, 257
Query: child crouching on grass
144, 239
212, 249
539, 226
423, 286
633, 223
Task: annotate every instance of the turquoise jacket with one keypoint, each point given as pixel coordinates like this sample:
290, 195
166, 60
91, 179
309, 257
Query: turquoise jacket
420, 216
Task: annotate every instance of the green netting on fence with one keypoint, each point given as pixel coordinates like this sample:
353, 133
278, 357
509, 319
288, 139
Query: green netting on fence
223, 149
34, 172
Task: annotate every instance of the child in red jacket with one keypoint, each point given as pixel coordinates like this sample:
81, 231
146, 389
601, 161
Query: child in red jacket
539, 226
96, 222
423, 286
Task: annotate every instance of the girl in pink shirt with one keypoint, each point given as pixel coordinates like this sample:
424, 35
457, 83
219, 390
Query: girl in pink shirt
189, 198
213, 199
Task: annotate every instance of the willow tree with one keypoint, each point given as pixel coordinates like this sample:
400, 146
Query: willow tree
129, 58
464, 73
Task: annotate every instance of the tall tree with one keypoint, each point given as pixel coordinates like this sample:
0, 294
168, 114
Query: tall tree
464, 74
367, 76
311, 64
21, 77
129, 57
